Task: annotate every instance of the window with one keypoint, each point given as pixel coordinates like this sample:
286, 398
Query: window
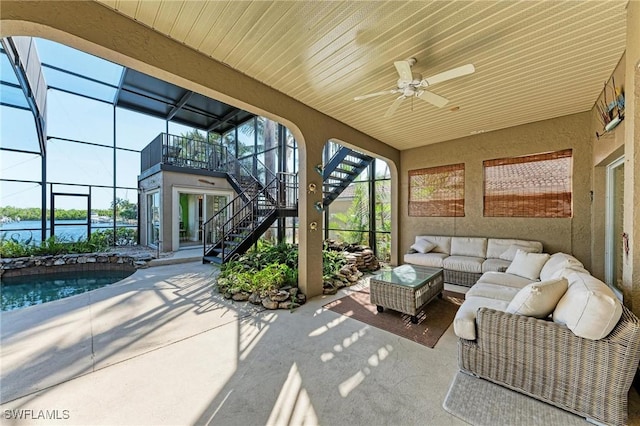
437, 191
530, 186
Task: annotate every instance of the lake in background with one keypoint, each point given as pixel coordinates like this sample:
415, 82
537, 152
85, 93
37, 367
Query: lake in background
69, 229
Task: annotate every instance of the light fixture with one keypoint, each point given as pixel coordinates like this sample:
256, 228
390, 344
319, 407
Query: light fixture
312, 188
313, 226
318, 206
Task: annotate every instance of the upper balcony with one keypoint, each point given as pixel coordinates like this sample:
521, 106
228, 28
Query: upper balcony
171, 152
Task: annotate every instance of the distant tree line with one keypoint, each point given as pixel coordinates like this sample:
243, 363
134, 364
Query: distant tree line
124, 209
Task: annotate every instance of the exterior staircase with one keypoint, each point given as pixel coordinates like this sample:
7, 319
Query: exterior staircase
239, 224
341, 170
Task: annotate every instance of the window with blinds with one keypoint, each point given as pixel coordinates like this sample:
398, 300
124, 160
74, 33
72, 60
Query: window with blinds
530, 186
437, 191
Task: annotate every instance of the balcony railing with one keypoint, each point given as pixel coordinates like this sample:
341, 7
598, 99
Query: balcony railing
183, 152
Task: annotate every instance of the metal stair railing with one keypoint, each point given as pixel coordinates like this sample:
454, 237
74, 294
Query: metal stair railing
248, 215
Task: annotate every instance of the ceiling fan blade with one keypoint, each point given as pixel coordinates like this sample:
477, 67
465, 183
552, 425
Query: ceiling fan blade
371, 95
448, 75
404, 70
394, 106
432, 98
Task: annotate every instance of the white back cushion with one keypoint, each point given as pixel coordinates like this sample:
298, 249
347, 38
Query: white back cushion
497, 246
469, 246
589, 308
443, 243
423, 246
557, 262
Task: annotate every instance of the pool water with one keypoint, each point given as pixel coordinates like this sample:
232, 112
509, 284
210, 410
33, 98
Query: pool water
28, 290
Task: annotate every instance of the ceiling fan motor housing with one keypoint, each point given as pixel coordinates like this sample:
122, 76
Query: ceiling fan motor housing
417, 80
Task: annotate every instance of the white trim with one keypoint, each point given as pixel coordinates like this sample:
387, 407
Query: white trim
146, 195
608, 223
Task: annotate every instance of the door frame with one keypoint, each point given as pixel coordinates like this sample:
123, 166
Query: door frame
175, 206
609, 239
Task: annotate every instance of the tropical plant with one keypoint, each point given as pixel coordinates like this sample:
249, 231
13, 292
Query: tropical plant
270, 267
98, 242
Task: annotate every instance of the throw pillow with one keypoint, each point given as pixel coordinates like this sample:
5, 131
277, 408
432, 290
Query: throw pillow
423, 246
527, 265
510, 253
538, 299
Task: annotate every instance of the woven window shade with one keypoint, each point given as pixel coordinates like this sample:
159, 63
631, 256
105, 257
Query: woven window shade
530, 186
437, 191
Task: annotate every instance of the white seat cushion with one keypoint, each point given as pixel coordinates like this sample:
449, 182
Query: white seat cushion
464, 264
495, 265
493, 291
502, 278
464, 323
425, 259
528, 265
589, 308
469, 246
556, 262
538, 299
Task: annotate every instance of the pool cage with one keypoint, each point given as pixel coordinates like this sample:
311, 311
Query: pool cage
76, 144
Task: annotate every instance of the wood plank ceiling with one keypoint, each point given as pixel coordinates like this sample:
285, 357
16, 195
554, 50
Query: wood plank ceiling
534, 60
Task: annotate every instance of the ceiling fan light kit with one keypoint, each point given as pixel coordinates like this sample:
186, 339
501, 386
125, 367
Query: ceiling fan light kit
410, 84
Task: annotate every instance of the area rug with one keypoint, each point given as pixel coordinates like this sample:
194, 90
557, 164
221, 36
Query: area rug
433, 321
480, 402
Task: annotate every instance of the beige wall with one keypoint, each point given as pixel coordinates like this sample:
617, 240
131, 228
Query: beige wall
572, 235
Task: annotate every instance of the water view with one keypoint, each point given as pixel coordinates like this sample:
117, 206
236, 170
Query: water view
67, 229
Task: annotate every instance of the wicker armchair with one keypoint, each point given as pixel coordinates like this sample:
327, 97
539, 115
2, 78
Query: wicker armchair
547, 361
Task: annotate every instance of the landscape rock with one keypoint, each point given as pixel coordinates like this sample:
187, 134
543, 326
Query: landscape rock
269, 304
255, 299
240, 296
279, 296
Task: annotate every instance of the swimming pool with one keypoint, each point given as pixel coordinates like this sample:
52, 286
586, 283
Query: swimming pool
27, 290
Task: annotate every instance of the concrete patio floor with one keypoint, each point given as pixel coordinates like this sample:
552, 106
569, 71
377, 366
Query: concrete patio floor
163, 348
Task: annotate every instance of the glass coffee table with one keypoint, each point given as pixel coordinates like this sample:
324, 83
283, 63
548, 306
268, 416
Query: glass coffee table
407, 289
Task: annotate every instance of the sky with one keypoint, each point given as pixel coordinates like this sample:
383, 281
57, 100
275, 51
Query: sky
72, 117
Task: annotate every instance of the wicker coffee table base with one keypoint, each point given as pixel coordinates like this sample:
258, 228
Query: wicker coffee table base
405, 299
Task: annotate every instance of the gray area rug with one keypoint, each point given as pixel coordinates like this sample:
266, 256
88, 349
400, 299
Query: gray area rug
480, 402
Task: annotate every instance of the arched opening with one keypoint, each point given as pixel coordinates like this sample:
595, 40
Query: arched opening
357, 199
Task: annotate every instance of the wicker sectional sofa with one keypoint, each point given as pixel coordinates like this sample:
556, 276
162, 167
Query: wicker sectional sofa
562, 337
465, 259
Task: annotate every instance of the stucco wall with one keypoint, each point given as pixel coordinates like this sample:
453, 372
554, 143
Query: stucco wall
606, 148
572, 235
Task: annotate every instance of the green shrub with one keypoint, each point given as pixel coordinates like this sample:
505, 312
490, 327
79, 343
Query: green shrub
98, 242
270, 267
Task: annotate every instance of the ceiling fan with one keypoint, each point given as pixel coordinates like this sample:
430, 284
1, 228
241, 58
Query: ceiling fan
410, 84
